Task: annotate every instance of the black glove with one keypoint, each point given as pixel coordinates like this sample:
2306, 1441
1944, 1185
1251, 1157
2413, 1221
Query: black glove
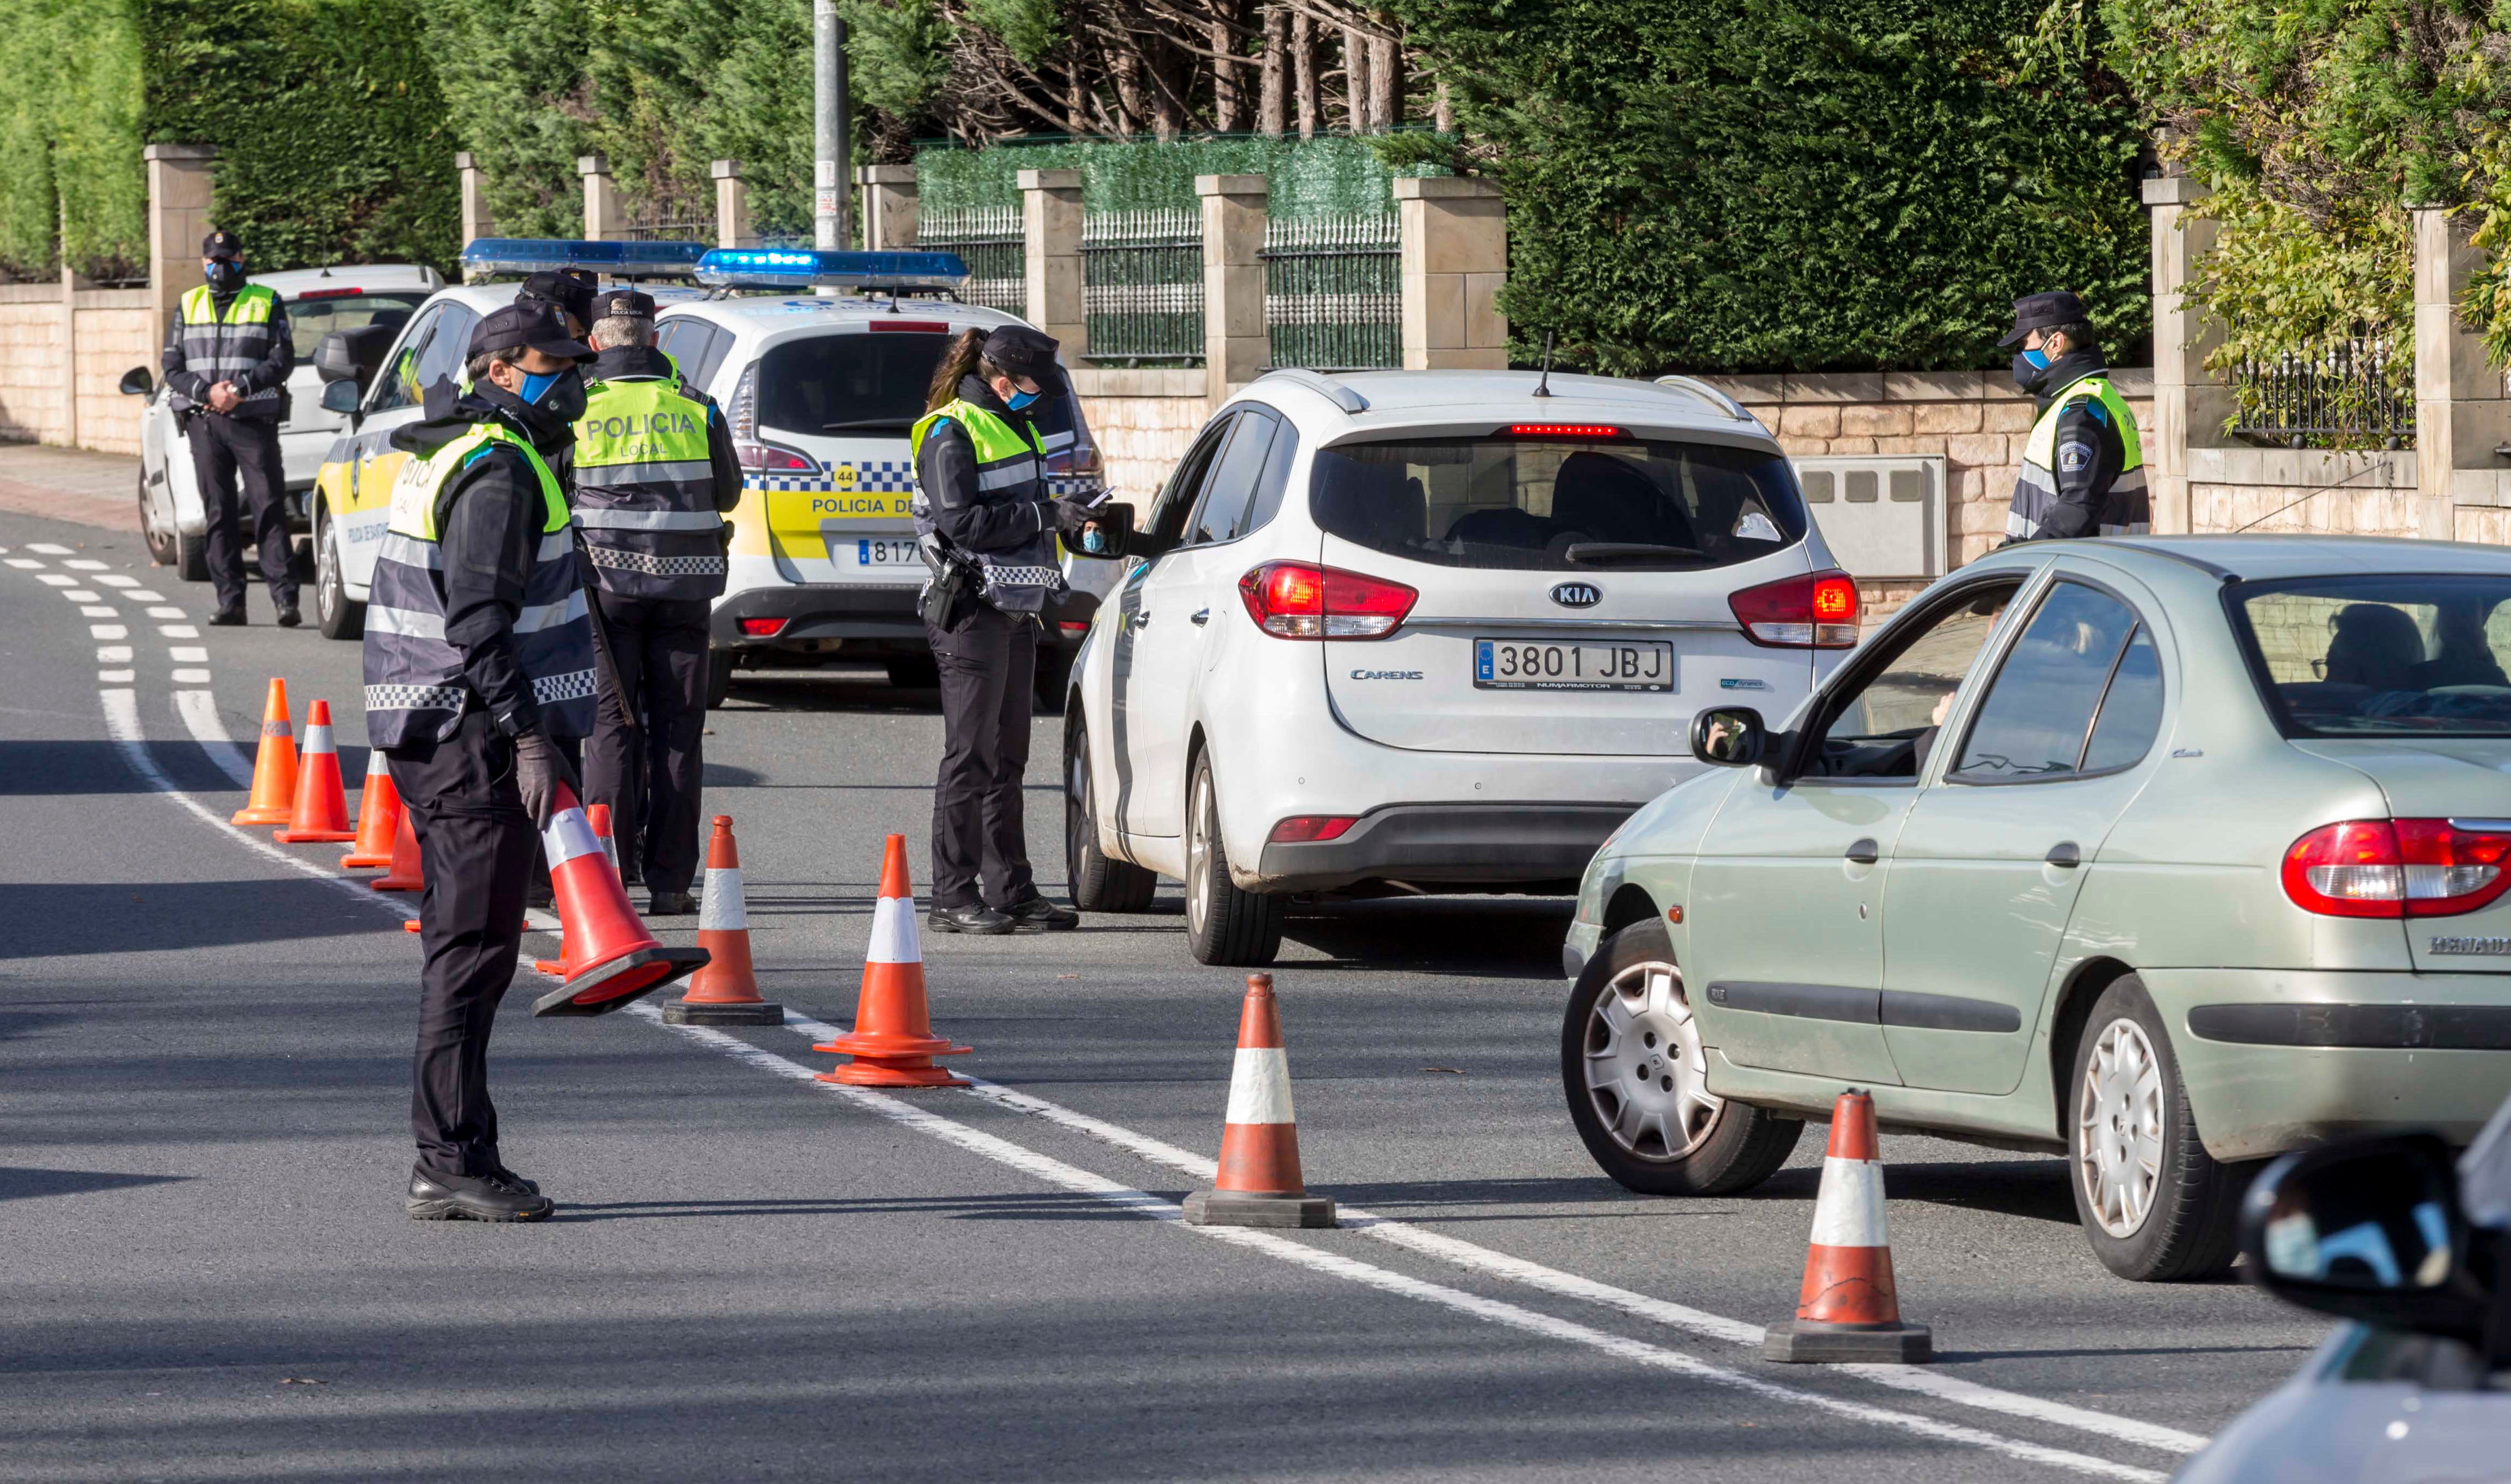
1070, 516
539, 768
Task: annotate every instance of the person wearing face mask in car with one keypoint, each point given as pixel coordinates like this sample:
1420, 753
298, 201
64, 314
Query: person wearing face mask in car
226, 362
2083, 464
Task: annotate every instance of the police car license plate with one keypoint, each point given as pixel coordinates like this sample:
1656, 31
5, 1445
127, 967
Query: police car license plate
1545, 665
885, 554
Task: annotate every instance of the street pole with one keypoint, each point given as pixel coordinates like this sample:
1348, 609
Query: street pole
829, 164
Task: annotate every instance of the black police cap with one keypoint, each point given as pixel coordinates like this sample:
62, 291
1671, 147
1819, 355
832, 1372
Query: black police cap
1021, 351
612, 302
225, 246
2044, 311
567, 288
530, 326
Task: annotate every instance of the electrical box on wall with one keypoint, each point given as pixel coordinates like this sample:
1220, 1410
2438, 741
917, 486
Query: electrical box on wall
1881, 516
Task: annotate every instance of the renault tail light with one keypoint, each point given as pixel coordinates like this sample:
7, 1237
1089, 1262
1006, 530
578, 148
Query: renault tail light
1817, 610
2399, 867
1311, 829
1301, 601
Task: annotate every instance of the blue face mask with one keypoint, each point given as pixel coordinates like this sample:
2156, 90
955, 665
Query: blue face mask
1020, 401
536, 386
2039, 359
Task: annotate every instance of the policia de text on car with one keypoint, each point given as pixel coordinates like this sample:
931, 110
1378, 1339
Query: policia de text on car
654, 474
478, 659
2083, 464
226, 362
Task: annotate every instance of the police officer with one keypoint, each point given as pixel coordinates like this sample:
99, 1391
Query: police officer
2083, 466
226, 362
478, 659
655, 472
987, 527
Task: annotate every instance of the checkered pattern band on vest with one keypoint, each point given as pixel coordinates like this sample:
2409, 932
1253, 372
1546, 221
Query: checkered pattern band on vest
574, 685
415, 697
654, 566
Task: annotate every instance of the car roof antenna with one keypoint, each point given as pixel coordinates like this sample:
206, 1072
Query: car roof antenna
1543, 387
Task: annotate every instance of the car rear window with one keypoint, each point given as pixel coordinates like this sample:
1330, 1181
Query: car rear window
313, 316
859, 383
2414, 654
1559, 505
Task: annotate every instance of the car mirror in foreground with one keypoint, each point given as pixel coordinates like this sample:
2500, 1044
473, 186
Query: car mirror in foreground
340, 397
136, 382
2368, 1229
1115, 528
1729, 736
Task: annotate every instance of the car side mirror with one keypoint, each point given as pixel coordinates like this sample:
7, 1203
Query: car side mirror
340, 396
1115, 522
354, 355
1729, 736
2368, 1229
136, 382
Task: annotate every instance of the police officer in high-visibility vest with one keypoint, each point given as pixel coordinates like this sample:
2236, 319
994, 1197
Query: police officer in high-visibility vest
478, 659
2083, 466
655, 473
987, 529
227, 358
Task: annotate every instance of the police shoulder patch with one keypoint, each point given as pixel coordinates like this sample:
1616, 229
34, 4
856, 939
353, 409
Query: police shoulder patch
2074, 458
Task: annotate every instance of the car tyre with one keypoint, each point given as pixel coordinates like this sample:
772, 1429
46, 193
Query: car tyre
1636, 1080
161, 543
718, 678
1223, 924
1054, 677
336, 613
2127, 1110
1101, 883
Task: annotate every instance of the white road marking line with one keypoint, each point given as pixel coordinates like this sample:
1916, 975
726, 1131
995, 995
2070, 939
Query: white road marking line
107, 631
25, 563
56, 580
178, 630
143, 595
114, 677
48, 549
84, 565
113, 654
1481, 1259
1403, 1285
82, 596
188, 654
116, 580
166, 612
99, 611
191, 677
199, 713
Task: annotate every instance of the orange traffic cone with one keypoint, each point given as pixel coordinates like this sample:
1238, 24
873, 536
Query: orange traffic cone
610, 957
892, 1044
1848, 1309
274, 767
1260, 1183
598, 817
406, 873
321, 812
378, 819
726, 991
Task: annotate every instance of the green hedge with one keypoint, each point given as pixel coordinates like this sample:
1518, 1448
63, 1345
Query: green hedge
70, 128
1308, 177
1759, 185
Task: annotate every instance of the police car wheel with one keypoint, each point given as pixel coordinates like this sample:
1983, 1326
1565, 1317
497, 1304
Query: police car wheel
335, 613
160, 541
1101, 883
718, 678
1223, 924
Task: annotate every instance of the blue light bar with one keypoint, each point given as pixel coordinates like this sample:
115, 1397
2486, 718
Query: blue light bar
612, 260
809, 268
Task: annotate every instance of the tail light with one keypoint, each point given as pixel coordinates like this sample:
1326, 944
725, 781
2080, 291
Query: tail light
1815, 611
1309, 829
756, 454
2398, 867
1299, 601
762, 629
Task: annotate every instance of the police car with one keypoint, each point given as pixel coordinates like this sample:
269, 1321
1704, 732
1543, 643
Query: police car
318, 301
820, 390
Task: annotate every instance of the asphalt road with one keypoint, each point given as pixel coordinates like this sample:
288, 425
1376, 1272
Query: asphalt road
204, 1047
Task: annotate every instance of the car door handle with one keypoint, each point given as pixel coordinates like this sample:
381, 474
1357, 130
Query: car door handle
2064, 853
1864, 853
1139, 619
1202, 616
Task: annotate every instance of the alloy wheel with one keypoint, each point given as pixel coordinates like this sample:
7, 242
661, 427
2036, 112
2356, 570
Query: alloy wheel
1646, 1076
1198, 855
329, 591
2118, 1128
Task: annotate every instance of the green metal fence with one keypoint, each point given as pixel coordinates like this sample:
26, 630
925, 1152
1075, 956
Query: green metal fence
989, 239
1141, 286
1333, 293
2338, 393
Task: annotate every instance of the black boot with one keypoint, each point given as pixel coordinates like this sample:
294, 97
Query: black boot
1039, 915
472, 1198
288, 617
671, 904
976, 917
227, 618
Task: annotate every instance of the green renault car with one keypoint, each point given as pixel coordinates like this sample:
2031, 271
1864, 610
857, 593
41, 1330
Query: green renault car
2168, 854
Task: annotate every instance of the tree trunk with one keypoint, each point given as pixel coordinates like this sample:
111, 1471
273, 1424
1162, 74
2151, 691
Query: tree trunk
1303, 73
1355, 81
1169, 70
1270, 112
1385, 83
1125, 67
1228, 91
1443, 113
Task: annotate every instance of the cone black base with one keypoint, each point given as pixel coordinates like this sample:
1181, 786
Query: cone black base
763, 1012
1241, 1208
647, 969
1810, 1341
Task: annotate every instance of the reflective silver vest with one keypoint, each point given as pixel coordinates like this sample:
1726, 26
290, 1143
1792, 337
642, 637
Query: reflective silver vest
415, 688
1010, 470
644, 491
222, 347
2126, 510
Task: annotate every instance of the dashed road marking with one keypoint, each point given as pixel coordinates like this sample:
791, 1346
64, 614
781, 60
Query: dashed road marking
49, 549
188, 654
142, 595
84, 565
166, 612
113, 654
178, 631
82, 596
99, 611
56, 580
115, 677
116, 580
191, 677
107, 631
25, 563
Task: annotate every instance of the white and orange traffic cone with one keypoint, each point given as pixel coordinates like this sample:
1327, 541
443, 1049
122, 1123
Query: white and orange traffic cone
408, 871
598, 817
321, 814
379, 819
1848, 1309
725, 992
611, 959
892, 1042
274, 767
1260, 1183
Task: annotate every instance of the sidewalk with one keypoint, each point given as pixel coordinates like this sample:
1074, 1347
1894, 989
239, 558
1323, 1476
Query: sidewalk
99, 489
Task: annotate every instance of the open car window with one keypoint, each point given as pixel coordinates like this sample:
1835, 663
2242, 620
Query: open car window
2414, 654
1884, 728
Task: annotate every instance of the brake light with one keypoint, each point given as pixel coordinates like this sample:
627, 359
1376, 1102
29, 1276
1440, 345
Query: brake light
1069, 626
329, 293
2398, 867
1301, 601
1566, 429
1309, 829
764, 628
1817, 610
774, 458
909, 327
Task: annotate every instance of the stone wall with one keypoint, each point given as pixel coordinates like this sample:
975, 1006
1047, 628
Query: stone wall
113, 335
32, 406
1143, 419
2303, 491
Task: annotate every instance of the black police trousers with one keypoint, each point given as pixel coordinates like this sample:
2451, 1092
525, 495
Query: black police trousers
645, 758
478, 847
988, 665
223, 447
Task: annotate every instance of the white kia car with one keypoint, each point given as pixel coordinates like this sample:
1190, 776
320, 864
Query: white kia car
1430, 632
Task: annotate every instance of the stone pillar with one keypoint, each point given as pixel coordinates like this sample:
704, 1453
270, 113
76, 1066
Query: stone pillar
1051, 229
1454, 236
71, 284
888, 205
2190, 403
604, 220
178, 217
475, 222
2461, 415
731, 205
1235, 346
